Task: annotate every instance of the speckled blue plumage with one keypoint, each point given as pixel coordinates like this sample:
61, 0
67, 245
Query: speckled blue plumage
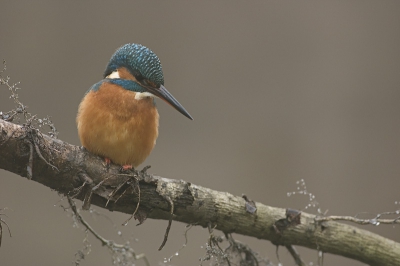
137, 58
124, 83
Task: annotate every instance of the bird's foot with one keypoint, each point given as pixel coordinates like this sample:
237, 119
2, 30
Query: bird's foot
127, 167
107, 163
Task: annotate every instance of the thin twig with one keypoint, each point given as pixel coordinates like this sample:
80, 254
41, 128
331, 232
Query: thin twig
87, 199
295, 255
137, 205
1, 228
213, 242
110, 244
243, 248
188, 227
111, 195
124, 183
29, 167
169, 221
320, 258
77, 190
374, 221
88, 191
41, 156
277, 253
101, 183
88, 227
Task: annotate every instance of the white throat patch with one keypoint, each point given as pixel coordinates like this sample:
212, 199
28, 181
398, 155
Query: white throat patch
113, 75
141, 95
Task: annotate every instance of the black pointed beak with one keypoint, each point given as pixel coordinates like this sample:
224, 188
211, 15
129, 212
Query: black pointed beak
162, 93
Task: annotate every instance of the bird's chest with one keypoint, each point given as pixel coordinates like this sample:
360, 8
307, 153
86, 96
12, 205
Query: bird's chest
111, 121
112, 103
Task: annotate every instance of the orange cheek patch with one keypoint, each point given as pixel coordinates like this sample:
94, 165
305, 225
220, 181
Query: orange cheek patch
125, 74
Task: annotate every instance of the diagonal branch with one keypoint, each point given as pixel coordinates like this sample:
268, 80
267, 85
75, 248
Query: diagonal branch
192, 204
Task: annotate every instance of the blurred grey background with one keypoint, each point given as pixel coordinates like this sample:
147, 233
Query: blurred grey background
279, 90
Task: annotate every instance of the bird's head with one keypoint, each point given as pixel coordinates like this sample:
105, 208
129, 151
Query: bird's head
140, 69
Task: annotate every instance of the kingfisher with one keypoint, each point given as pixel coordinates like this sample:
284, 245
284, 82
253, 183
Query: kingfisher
117, 118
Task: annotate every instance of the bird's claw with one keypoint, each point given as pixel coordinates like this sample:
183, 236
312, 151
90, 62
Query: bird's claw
126, 167
107, 163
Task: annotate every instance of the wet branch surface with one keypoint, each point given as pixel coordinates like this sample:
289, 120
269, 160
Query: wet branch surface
66, 168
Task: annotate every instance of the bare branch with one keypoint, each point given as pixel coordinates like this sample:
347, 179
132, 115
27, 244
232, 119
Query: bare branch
193, 204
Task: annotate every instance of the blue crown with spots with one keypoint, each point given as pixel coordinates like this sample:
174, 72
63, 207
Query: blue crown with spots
137, 58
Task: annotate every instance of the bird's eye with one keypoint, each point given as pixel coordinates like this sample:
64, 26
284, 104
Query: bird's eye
139, 77
149, 83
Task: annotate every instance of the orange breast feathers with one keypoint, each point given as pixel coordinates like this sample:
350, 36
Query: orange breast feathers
115, 125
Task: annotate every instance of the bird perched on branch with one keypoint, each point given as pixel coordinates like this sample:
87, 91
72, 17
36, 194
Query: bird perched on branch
117, 118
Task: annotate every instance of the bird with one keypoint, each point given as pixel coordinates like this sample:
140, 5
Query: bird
117, 118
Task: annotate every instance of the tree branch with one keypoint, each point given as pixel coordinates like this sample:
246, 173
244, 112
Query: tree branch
192, 204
